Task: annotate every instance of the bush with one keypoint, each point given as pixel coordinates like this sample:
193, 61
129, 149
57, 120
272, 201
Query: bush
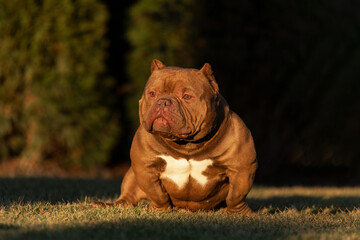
54, 94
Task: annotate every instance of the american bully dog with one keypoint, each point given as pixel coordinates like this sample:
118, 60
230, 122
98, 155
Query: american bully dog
190, 151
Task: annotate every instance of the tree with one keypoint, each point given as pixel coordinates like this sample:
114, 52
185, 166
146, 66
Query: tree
53, 88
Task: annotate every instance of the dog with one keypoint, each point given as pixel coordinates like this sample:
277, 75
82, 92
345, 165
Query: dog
190, 150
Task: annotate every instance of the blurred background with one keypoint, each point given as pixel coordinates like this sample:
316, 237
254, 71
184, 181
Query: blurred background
72, 72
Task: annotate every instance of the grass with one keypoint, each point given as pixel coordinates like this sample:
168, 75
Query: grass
47, 208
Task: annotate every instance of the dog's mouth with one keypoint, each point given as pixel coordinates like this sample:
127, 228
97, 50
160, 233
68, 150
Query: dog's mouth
160, 124
167, 119
166, 128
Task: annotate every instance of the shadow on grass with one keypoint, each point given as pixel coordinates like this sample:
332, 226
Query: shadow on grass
8, 227
154, 228
9, 231
54, 190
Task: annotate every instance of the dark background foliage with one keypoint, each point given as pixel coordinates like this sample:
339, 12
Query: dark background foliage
54, 89
288, 68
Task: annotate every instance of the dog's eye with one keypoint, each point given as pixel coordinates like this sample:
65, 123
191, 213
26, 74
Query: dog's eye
187, 97
152, 94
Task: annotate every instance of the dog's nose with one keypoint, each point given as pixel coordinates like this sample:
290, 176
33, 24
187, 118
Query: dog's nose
164, 102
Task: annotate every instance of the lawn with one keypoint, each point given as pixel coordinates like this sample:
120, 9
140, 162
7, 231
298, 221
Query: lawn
51, 208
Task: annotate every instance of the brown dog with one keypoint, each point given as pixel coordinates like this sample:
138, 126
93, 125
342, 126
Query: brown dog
190, 151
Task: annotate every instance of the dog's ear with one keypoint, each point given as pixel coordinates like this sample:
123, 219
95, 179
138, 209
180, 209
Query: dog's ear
156, 65
207, 71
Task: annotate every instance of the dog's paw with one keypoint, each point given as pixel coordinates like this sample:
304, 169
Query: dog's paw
164, 208
242, 210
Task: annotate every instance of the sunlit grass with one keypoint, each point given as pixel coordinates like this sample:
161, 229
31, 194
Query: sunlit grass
284, 213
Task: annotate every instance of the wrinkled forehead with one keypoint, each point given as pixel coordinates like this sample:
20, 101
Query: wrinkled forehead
172, 79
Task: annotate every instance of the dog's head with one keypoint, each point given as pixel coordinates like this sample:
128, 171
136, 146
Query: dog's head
179, 103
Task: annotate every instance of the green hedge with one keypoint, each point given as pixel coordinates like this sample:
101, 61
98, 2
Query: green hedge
53, 90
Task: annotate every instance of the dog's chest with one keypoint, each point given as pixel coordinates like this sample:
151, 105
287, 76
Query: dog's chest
180, 170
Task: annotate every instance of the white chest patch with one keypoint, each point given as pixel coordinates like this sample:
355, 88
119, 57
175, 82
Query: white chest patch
180, 170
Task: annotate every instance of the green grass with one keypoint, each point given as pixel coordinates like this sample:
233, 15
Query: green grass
46, 208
